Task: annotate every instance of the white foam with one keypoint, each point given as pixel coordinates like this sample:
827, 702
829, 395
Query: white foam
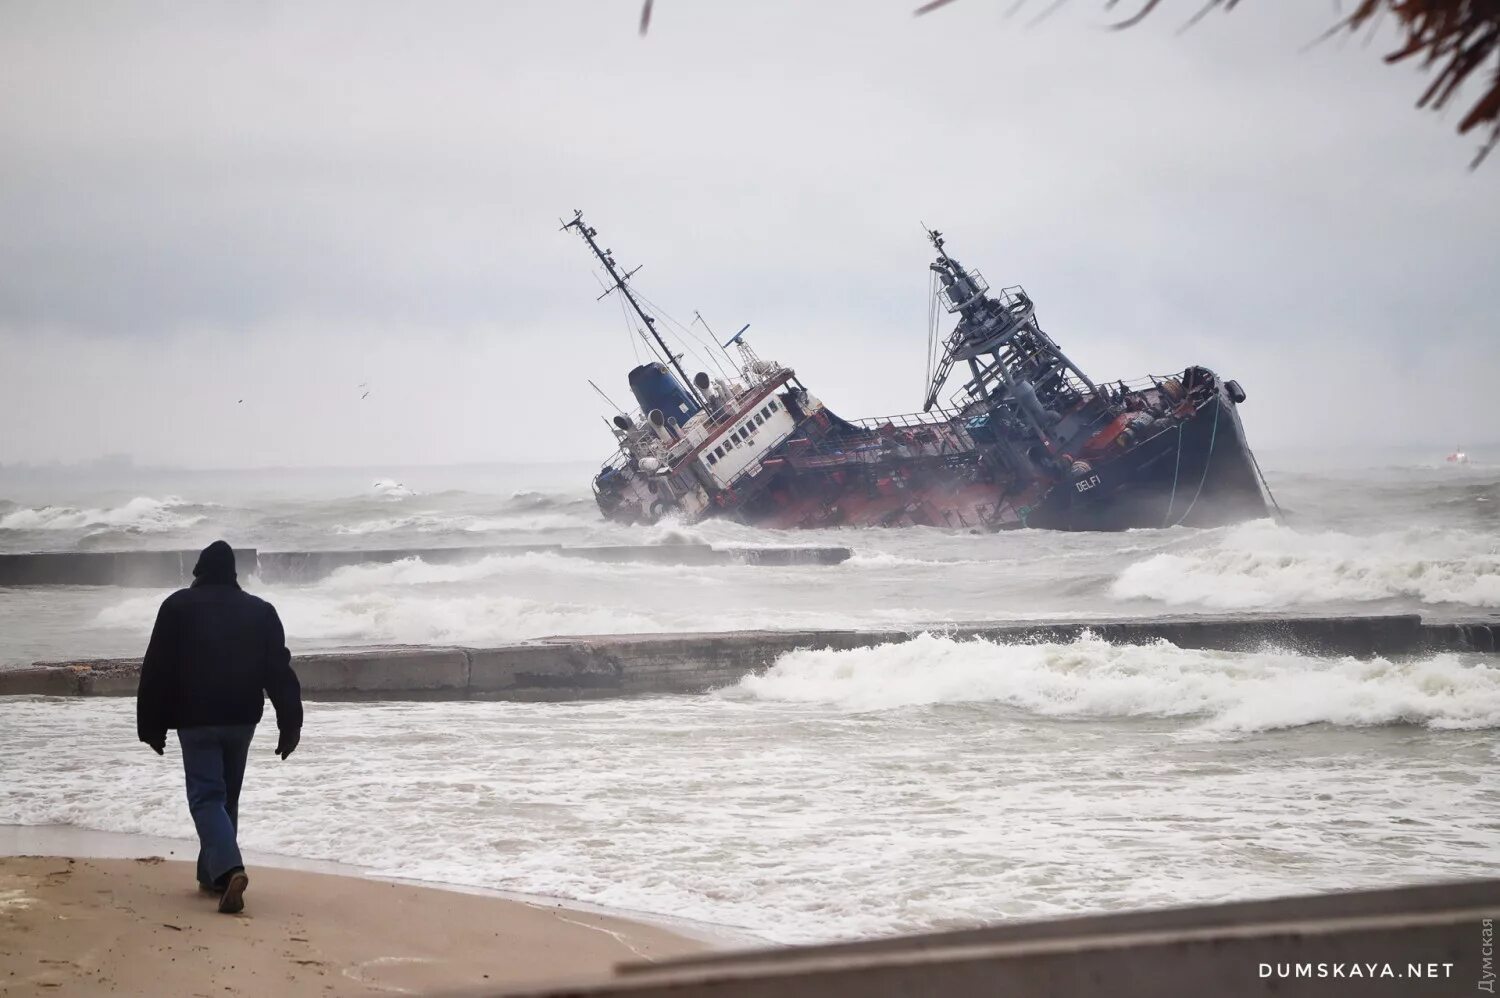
799, 821
542, 522
517, 569
382, 618
392, 489
317, 618
887, 559
1232, 692
134, 613
437, 522
143, 514
1261, 565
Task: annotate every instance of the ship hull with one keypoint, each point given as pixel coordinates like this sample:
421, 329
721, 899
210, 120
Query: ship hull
1198, 474
1194, 469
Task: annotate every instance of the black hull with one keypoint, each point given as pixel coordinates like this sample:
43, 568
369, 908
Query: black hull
1200, 474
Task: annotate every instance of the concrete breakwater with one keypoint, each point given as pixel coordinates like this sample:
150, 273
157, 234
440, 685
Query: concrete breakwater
105, 568
174, 568
641, 664
1422, 939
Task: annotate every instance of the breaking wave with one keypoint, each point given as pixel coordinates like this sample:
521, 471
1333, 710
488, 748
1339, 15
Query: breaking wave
142, 514
509, 567
528, 499
464, 523
1090, 678
1260, 565
887, 559
391, 489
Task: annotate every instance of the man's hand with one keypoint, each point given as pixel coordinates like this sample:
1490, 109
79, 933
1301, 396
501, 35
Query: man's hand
158, 743
287, 743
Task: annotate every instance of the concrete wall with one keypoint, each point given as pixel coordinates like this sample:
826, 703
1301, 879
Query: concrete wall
389, 674
1386, 901
152, 569
633, 665
1230, 950
1480, 636
170, 569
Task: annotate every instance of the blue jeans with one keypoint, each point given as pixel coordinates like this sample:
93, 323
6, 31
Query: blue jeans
213, 757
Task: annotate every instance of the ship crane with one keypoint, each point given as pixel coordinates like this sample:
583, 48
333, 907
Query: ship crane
1018, 375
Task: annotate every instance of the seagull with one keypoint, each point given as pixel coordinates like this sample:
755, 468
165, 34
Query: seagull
241, 400
364, 396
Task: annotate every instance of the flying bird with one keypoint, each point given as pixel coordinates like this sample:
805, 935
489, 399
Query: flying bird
365, 396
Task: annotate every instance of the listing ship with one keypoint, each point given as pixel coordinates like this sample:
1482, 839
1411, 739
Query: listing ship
1028, 441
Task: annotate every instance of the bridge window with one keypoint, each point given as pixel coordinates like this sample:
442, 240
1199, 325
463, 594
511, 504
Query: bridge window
771, 405
765, 412
712, 460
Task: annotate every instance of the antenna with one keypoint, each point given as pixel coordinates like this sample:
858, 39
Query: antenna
606, 257
606, 398
698, 317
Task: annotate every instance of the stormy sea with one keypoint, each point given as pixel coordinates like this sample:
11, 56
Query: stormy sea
917, 785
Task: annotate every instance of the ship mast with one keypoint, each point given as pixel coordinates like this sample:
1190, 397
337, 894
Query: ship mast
606, 257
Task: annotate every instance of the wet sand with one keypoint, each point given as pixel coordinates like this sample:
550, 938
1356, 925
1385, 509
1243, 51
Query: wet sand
80, 926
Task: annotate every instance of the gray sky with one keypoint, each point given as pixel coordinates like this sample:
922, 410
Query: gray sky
277, 201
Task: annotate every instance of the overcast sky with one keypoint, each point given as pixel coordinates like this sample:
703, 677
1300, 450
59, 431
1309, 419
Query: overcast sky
207, 202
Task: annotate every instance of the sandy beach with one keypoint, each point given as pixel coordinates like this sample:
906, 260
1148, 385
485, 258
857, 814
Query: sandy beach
78, 926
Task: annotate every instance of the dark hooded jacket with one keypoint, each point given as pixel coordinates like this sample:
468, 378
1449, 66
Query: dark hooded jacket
215, 653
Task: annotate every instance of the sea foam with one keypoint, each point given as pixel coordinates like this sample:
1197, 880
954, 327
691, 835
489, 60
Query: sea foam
1090, 678
323, 618
142, 514
1260, 565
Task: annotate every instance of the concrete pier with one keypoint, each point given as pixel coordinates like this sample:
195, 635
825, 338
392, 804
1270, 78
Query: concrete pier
154, 569
1420, 940
105, 568
573, 668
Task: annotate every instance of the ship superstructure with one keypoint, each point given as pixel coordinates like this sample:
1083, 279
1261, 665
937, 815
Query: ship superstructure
1029, 440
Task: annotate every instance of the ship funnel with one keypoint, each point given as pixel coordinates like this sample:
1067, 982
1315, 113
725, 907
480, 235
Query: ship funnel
655, 387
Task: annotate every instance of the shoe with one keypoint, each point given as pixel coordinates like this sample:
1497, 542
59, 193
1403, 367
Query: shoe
233, 901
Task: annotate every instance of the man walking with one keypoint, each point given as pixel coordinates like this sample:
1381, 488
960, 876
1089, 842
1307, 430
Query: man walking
214, 652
